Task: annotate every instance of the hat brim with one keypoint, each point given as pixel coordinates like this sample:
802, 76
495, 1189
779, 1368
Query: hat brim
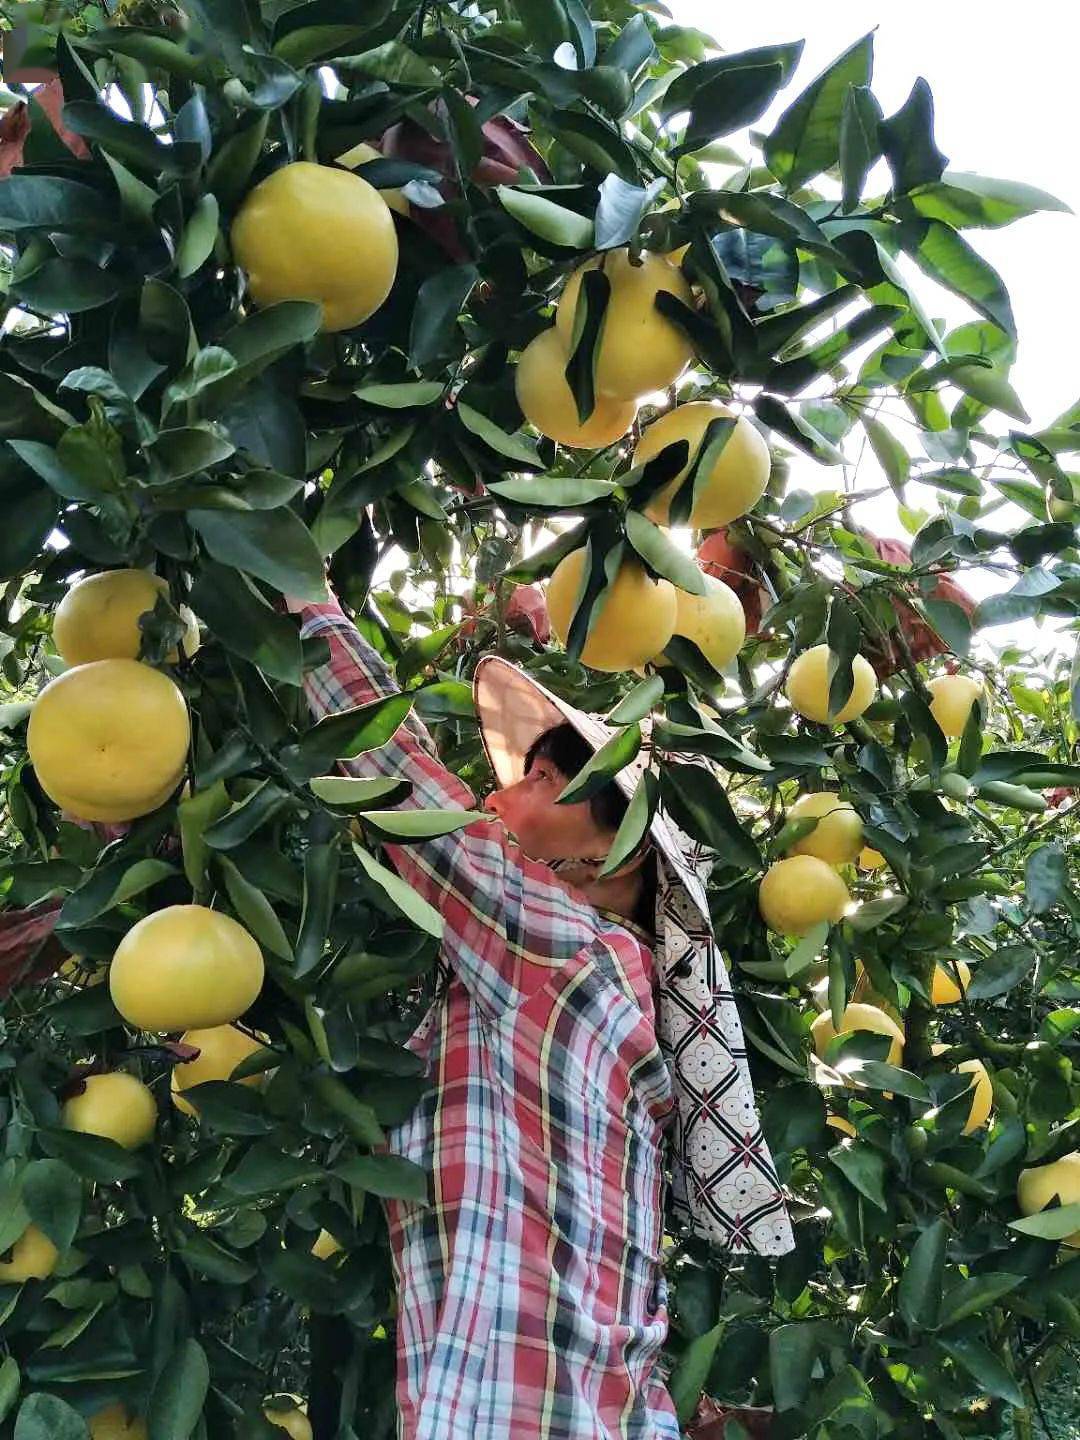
514, 710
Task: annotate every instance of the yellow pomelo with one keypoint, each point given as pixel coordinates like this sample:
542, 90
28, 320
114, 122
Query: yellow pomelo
982, 1090
221, 1048
870, 859
715, 622
1040, 1184
734, 484
640, 349
839, 1123
837, 837
796, 893
294, 1421
33, 1257
944, 990
325, 1246
547, 401
316, 232
98, 618
954, 696
807, 687
360, 155
109, 740
185, 968
112, 1423
857, 1016
116, 1106
636, 621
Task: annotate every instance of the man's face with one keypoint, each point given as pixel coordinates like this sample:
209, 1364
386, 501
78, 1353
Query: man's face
543, 829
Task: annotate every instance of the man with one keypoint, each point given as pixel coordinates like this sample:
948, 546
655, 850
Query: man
532, 1302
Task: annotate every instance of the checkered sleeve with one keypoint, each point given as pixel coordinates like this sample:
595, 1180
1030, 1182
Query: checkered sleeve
507, 922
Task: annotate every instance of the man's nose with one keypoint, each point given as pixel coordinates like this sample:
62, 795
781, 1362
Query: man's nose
493, 802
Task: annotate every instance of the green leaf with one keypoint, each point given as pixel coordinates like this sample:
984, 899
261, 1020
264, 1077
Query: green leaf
316, 42
543, 217
348, 733
844, 636
621, 210
864, 1168
273, 545
66, 287
396, 64
907, 141
964, 200
680, 94
52, 1194
594, 295
600, 770
793, 1348
48, 464
947, 258
246, 817
30, 509
403, 896
195, 813
389, 1175
177, 1400
640, 701
209, 365
46, 1417
403, 396
512, 446
348, 792
889, 452
1045, 878
729, 102
255, 911
806, 138
698, 804
200, 233
186, 450
553, 492
860, 143
661, 555
1055, 1224
9, 1385
1001, 971
45, 202
91, 1155
919, 1293
986, 1369
976, 1293
440, 301
689, 1376
988, 385
635, 824
230, 168
88, 1012
205, 1256
789, 423
321, 866
129, 140
406, 825
109, 886
264, 1169
237, 616
951, 623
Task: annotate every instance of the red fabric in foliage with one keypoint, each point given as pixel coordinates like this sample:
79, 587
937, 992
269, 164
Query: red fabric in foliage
711, 1419
723, 560
923, 642
15, 127
506, 150
28, 950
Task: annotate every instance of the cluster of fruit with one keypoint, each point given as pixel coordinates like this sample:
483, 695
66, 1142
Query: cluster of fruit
640, 351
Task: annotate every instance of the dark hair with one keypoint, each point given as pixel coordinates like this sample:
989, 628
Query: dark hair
568, 752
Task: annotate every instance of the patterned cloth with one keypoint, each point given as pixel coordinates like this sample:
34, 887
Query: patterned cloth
532, 1300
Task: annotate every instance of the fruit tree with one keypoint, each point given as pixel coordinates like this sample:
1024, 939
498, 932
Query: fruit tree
460, 300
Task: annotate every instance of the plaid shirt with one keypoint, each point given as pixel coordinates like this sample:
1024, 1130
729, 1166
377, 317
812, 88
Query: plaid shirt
532, 1303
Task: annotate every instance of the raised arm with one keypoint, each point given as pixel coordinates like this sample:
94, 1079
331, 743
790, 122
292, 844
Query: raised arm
508, 923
